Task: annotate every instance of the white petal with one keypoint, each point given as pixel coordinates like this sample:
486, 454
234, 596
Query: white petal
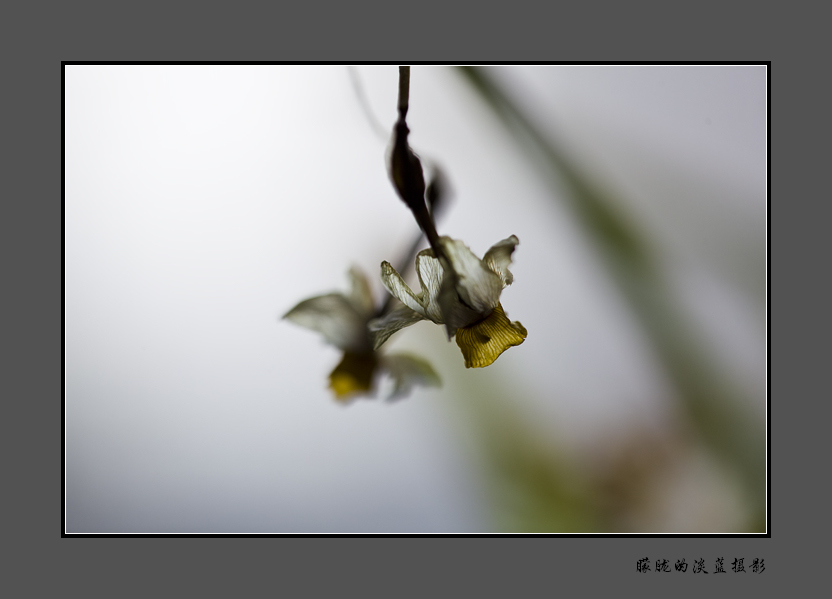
498, 258
430, 273
335, 317
400, 317
455, 313
408, 371
361, 295
477, 285
394, 283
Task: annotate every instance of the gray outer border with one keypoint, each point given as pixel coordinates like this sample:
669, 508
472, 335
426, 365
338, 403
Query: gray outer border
80, 31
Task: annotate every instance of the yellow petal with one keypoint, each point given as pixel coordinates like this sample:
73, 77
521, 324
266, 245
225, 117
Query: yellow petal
483, 342
353, 375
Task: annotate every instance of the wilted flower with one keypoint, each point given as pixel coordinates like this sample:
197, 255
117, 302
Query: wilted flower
342, 319
460, 291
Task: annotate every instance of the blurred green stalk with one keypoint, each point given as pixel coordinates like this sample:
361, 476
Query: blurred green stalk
711, 401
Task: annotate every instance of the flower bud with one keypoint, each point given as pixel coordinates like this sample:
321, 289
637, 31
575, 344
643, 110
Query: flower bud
406, 170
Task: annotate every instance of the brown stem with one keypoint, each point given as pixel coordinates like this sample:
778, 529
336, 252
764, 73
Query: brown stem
404, 91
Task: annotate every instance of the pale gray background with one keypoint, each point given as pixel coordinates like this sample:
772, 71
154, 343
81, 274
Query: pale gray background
203, 202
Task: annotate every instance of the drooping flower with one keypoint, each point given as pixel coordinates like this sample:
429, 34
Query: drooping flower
461, 292
342, 319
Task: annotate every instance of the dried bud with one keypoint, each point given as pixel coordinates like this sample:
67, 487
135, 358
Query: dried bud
406, 170
437, 193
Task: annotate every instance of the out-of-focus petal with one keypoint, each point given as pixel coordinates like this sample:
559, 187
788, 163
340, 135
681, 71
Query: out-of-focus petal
498, 258
361, 294
398, 318
394, 283
483, 342
335, 317
407, 371
354, 375
478, 287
